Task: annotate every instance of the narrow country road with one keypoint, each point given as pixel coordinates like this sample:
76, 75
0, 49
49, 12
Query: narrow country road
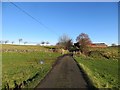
65, 74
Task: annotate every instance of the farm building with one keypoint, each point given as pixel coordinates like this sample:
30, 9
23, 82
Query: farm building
98, 45
93, 45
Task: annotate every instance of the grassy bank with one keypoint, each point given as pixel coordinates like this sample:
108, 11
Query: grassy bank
20, 66
102, 72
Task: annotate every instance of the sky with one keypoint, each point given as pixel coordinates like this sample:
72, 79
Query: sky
52, 19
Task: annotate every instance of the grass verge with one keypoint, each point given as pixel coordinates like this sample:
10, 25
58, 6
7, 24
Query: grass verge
24, 66
103, 73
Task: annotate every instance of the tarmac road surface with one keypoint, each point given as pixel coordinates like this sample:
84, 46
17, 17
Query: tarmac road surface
65, 74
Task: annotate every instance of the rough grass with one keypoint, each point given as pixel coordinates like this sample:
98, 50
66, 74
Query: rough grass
0, 70
103, 73
23, 47
21, 66
111, 52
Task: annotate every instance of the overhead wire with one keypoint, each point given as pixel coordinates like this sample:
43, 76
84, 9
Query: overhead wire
32, 17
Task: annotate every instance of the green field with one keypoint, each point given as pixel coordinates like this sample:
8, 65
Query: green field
21, 66
0, 68
102, 72
22, 63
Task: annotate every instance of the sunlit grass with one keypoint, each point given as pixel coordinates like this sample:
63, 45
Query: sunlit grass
103, 73
21, 66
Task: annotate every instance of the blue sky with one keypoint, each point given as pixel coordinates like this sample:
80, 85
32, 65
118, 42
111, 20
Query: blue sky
98, 20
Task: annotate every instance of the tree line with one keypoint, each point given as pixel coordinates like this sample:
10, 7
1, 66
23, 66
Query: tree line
21, 41
82, 43
7, 41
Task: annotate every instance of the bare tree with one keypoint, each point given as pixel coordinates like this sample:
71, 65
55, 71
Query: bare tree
25, 43
65, 42
12, 42
20, 40
47, 43
83, 40
113, 44
42, 42
6, 41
